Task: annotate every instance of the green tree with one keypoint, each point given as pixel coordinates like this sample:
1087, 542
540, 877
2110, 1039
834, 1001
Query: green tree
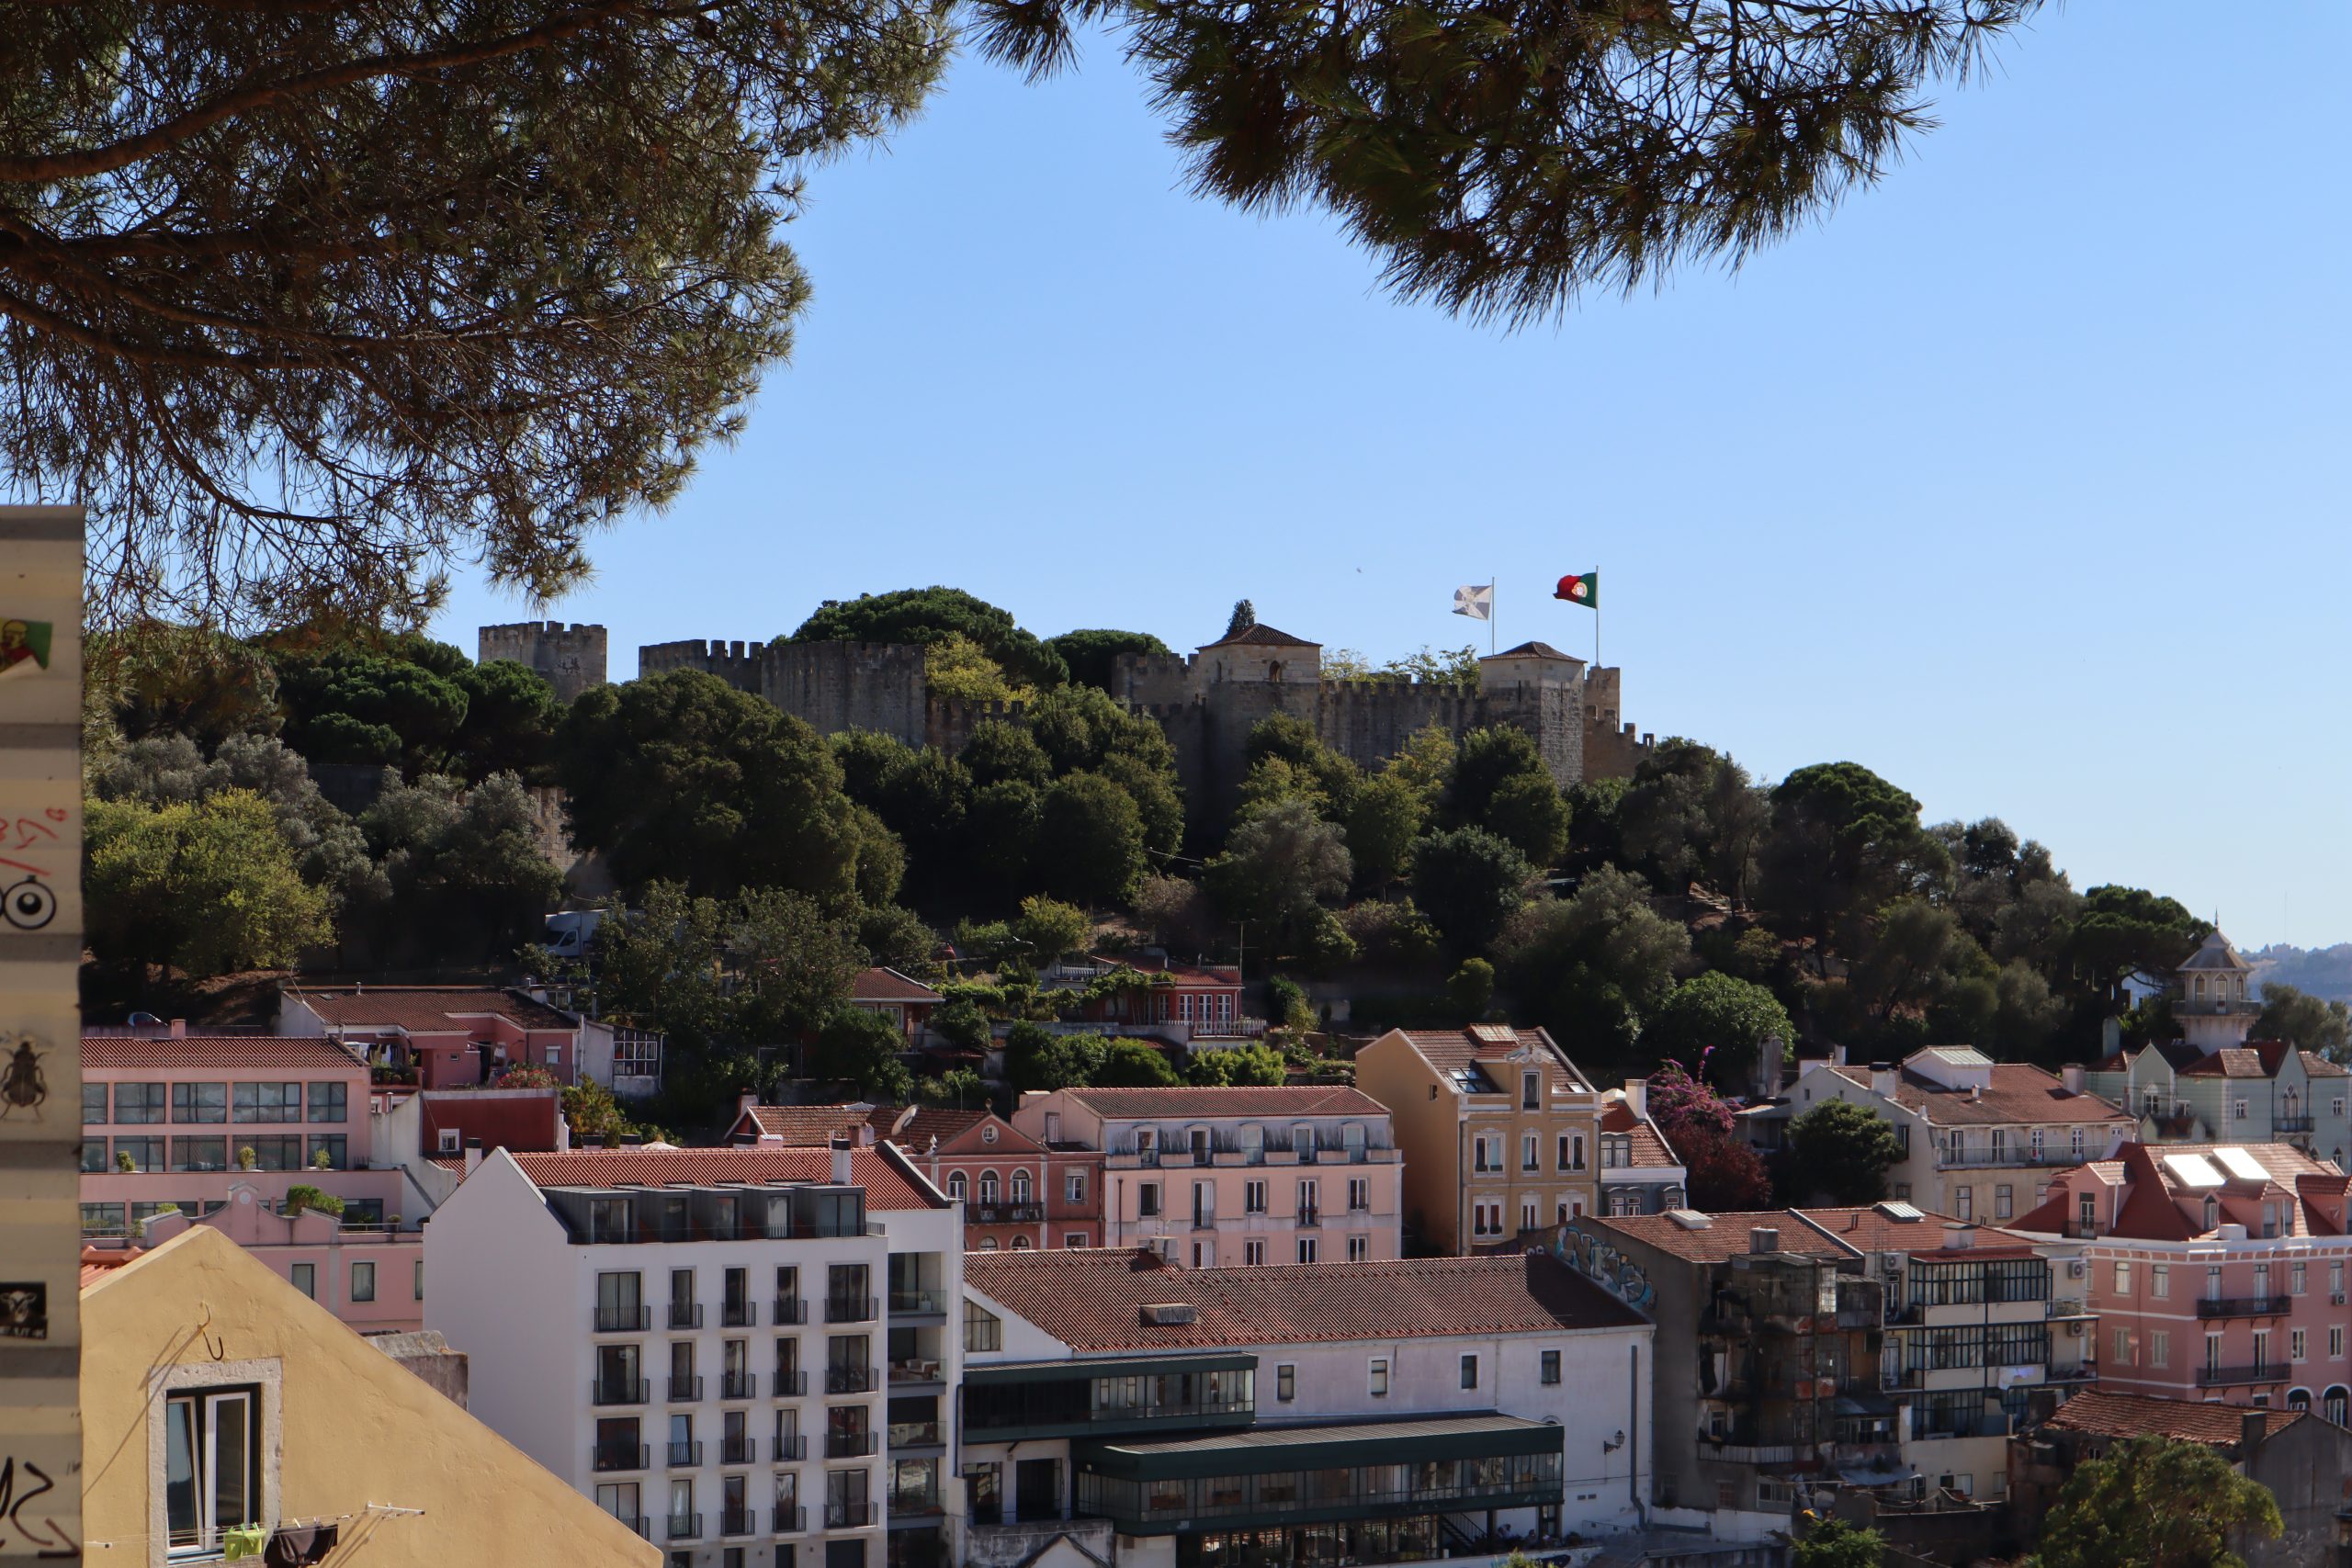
1841, 1152
159, 678
1469, 882
2152, 1503
955, 667
999, 751
958, 1088
1470, 990
1090, 842
682, 776
467, 874
1288, 748
1277, 868
2303, 1020
1833, 1543
1052, 928
206, 887
1244, 616
931, 615
787, 963
1091, 655
1842, 844
1499, 783
590, 1111
1593, 966
1237, 1067
1716, 1021
1690, 814
353, 705
511, 715
1387, 817
2122, 933
860, 1048
1133, 1063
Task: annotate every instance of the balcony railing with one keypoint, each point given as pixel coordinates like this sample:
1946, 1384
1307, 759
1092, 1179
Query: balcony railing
738, 1385
739, 1451
1749, 1453
1959, 1159
637, 1522
848, 1445
685, 1314
624, 1319
789, 1519
1310, 1216
1978, 1425
789, 1385
686, 1389
2222, 1377
914, 1301
922, 1369
849, 1309
2244, 1306
617, 1391
737, 1521
790, 1310
2292, 1123
915, 1500
850, 1379
915, 1435
739, 1315
685, 1456
617, 1456
684, 1527
791, 1446
848, 1516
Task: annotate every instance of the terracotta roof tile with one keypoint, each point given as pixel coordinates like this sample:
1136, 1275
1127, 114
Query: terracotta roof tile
429, 1010
1449, 1049
1268, 1100
2103, 1413
1648, 1147
1259, 635
890, 986
808, 1126
1093, 1300
1725, 1236
206, 1053
886, 1186
1873, 1229
915, 1133
2018, 1094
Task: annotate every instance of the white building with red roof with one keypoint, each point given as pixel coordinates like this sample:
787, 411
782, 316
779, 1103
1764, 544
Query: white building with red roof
748, 1349
2218, 1271
444, 1037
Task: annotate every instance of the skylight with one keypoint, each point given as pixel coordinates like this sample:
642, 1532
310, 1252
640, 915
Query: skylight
2242, 1164
2193, 1170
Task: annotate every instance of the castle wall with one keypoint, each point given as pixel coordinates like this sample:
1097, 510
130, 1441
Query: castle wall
849, 685
1552, 716
736, 663
570, 658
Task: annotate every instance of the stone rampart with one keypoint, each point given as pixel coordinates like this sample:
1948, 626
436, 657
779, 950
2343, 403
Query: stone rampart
570, 658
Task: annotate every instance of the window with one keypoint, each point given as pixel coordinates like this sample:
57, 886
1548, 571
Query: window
1285, 1382
2335, 1343
211, 1465
1019, 1187
957, 1185
139, 1103
1469, 1372
2295, 1345
335, 1146
2160, 1348
2122, 1349
1309, 1249
983, 1330
416, 1283
265, 1103
2334, 1271
93, 1105
987, 1187
1487, 1152
273, 1151
363, 1282
146, 1154
1074, 1238
1147, 1200
1531, 1091
1528, 1159
1358, 1249
1074, 1188
199, 1102
306, 1279
199, 1154
1253, 1198
2238, 1111
2296, 1283
1380, 1377
1359, 1195
1964, 1202
2003, 1201
449, 1140
102, 1219
1527, 1215
1551, 1367
1310, 1200
1560, 1155
2122, 1279
2159, 1280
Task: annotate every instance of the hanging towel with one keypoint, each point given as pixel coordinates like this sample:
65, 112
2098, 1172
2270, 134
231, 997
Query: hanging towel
300, 1547
242, 1541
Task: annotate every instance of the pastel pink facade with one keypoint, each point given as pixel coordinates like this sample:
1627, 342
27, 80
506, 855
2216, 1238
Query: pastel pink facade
171, 1118
2217, 1272
1209, 1177
372, 1280
438, 1038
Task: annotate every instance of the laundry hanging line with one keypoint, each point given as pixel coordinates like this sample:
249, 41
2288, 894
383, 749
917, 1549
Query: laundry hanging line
380, 1510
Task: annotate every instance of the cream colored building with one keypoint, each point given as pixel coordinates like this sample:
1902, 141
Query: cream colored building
1500, 1131
215, 1396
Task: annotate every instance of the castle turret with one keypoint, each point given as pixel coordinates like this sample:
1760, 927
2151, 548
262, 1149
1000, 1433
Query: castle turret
570, 658
1259, 653
2215, 1003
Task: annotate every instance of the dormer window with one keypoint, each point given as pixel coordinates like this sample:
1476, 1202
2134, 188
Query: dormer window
2212, 1213
1531, 1091
449, 1141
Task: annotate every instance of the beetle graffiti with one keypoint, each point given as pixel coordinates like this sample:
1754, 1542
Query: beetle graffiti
23, 1086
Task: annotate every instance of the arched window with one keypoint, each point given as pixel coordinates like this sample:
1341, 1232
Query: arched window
988, 1244
955, 1185
2299, 1399
1020, 1244
2212, 1213
2337, 1403
987, 1187
1021, 1187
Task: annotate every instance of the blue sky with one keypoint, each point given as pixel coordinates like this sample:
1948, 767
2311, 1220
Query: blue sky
2022, 479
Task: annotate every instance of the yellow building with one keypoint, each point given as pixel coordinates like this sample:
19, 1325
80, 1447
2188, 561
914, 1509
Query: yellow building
1500, 1131
215, 1396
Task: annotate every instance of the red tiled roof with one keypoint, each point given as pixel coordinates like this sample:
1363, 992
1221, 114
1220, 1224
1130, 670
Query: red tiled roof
886, 1186
808, 1126
429, 1010
1725, 1236
1448, 1049
2106, 1413
1094, 1299
97, 1262
2018, 1094
1259, 635
194, 1053
1269, 1100
1193, 975
890, 986
1874, 1230
929, 1122
516, 1119
1648, 1147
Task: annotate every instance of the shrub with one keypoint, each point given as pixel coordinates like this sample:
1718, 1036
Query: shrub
302, 1195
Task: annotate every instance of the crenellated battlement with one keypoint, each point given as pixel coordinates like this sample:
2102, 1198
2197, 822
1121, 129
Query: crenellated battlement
570, 658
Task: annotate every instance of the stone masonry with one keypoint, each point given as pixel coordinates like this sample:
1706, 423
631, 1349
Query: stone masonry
570, 658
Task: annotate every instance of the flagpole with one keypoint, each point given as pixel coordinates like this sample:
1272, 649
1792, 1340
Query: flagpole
1490, 615
1595, 615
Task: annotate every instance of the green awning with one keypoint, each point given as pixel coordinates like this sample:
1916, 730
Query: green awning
1103, 1367
1262, 1451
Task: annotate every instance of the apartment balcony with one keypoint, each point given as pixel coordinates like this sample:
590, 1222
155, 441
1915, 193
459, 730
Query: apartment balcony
849, 1445
791, 1446
919, 1370
790, 1310
2292, 1123
739, 1451
789, 1519
738, 1521
2225, 1377
738, 1385
2008, 1158
1749, 1453
918, 1303
914, 1501
1005, 1213
914, 1435
1976, 1426
848, 1516
684, 1527
685, 1314
739, 1315
851, 1380
2081, 1371
2244, 1307
685, 1456
605, 1457
637, 1522
618, 1390
684, 1390
789, 1385
624, 1319
849, 1309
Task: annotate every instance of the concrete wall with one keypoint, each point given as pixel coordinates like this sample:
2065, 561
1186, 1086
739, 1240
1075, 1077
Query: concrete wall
571, 658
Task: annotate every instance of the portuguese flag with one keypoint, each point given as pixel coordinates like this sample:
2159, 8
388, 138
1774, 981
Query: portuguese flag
1583, 589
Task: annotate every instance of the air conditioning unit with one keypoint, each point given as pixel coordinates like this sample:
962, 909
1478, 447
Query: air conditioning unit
2074, 1268
2336, 1299
2073, 1331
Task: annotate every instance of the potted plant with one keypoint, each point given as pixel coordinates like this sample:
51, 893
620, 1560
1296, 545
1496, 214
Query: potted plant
124, 1163
247, 1158
321, 1161
302, 1195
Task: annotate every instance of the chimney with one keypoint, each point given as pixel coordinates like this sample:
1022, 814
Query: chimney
2252, 1426
473, 1155
2071, 1075
744, 1100
1638, 1096
180, 1029
1959, 1236
359, 987
1836, 1055
841, 1159
1884, 1079
1975, 1092
1764, 1239
2110, 1036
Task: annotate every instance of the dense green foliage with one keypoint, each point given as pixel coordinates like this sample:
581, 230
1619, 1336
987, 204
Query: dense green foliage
1839, 1153
2151, 1503
203, 888
1090, 655
932, 615
1834, 1543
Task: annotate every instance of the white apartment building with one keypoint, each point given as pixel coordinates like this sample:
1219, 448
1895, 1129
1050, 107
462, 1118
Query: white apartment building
1167, 1418
743, 1352
1209, 1177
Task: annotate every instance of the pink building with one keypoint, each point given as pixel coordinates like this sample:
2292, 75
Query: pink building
440, 1038
1212, 1176
217, 1125
2216, 1271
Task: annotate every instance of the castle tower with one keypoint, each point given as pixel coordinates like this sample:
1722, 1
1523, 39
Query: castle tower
570, 657
2214, 1004
1259, 653
1537, 688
